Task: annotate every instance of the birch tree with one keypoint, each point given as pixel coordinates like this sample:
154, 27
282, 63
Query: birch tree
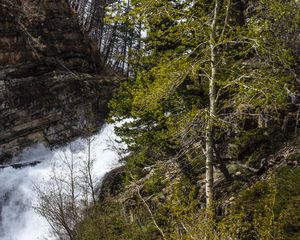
212, 107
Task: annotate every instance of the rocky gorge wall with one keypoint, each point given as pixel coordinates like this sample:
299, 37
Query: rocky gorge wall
52, 83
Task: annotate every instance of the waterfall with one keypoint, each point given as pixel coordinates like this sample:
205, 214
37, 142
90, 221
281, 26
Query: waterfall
19, 220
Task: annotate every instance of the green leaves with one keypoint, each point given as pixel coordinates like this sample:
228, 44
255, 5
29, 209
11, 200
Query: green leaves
160, 83
256, 51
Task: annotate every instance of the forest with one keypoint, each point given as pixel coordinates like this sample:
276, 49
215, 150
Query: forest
210, 115
204, 98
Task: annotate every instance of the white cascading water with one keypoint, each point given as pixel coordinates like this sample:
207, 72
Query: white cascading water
19, 220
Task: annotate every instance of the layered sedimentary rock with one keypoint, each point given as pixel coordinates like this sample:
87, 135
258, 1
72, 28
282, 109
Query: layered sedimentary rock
52, 84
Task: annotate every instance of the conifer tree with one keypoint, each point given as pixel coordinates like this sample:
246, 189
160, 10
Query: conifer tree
209, 64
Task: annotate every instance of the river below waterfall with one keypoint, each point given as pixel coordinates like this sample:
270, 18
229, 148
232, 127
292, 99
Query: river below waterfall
19, 220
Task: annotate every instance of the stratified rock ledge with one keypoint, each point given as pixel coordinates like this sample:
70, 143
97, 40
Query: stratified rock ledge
52, 83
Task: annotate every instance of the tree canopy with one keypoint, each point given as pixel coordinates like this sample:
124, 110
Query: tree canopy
167, 97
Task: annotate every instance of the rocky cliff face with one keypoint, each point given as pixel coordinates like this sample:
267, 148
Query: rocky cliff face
52, 85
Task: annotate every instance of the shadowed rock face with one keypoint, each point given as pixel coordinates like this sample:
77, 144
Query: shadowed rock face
52, 85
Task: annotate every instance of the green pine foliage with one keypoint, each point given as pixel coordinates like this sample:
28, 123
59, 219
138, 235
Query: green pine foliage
164, 109
167, 96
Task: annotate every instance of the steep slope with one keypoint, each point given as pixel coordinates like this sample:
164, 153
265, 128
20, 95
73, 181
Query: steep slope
52, 83
255, 205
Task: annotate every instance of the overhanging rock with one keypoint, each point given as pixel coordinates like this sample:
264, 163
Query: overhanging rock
53, 86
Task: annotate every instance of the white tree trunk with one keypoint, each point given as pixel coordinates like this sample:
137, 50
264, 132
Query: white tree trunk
212, 110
